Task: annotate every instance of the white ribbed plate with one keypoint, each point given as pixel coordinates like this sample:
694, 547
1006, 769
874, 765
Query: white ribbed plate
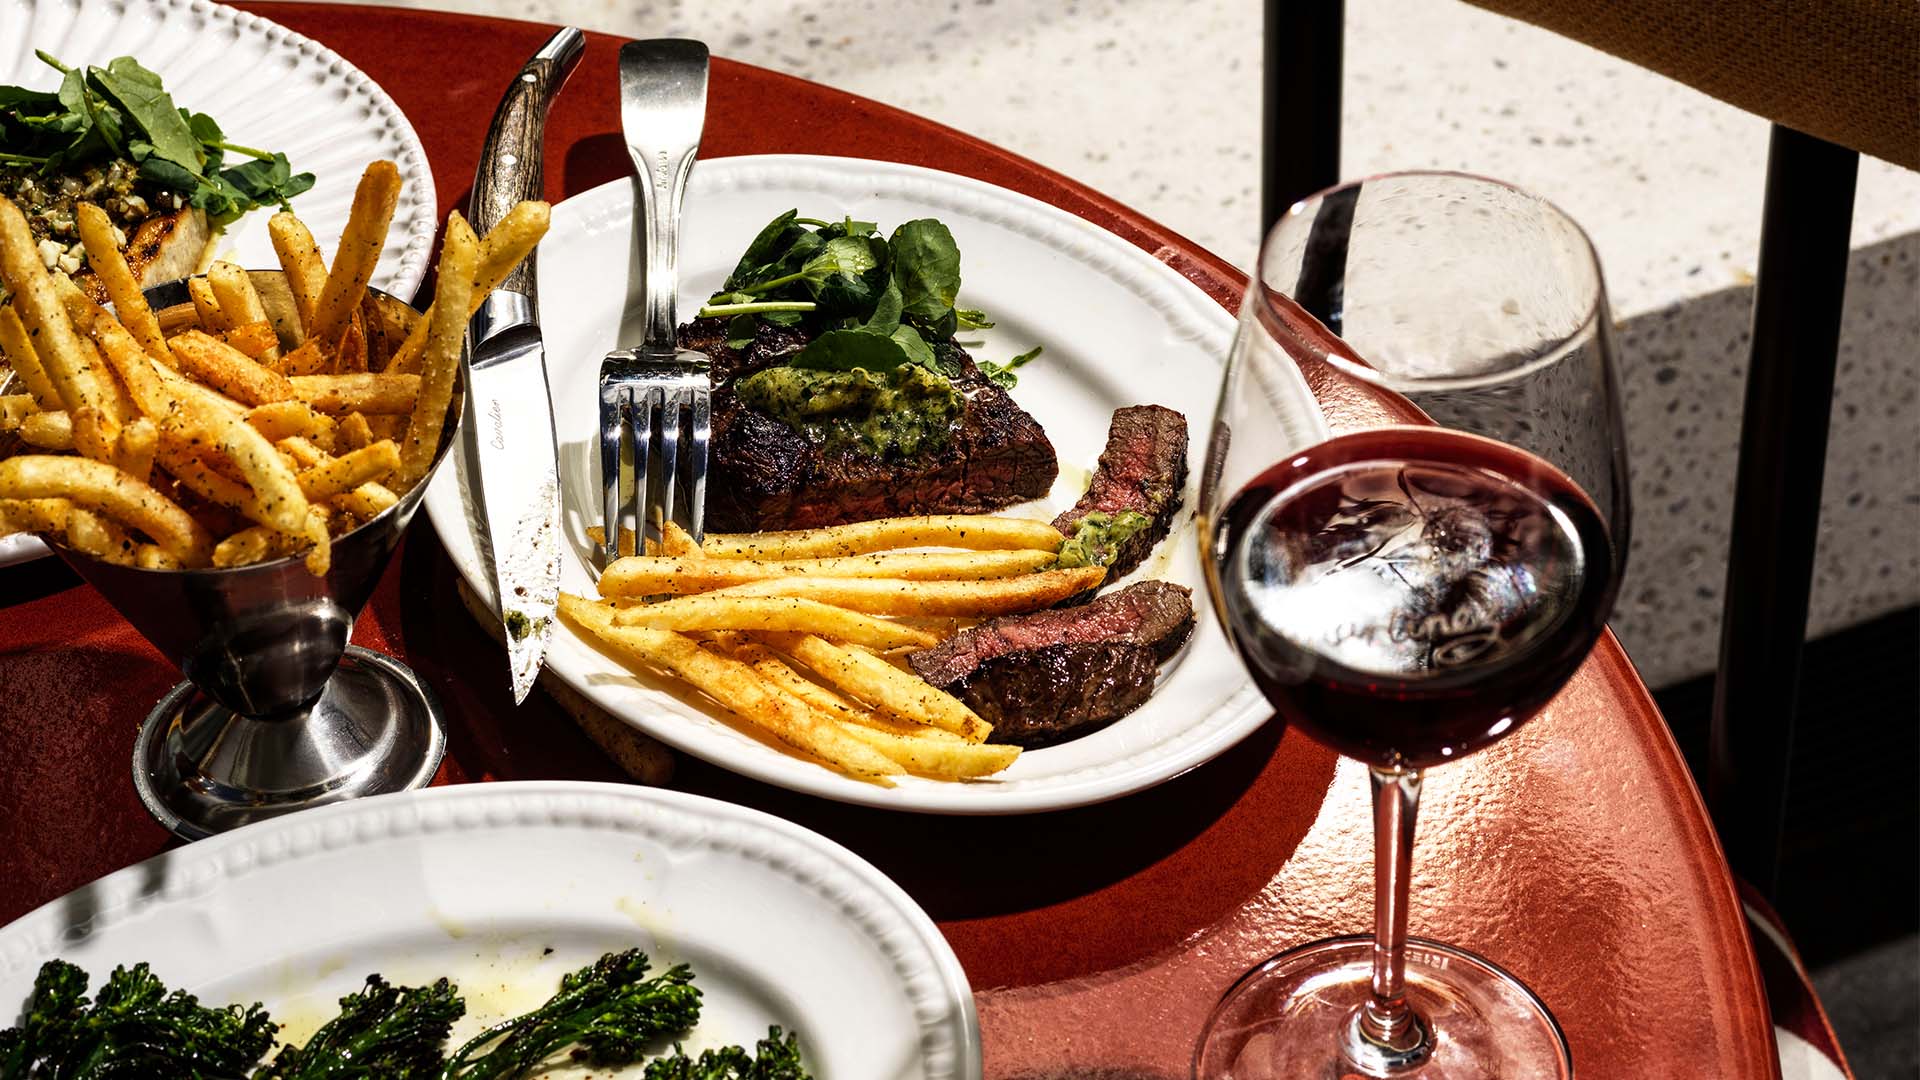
477, 882
267, 87
1120, 328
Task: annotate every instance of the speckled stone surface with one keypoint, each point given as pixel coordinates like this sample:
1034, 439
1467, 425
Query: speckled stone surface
1156, 102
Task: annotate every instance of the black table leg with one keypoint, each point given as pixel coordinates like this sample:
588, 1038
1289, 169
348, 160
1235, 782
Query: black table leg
1776, 510
1301, 147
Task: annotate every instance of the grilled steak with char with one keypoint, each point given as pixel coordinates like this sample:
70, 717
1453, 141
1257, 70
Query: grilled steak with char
1143, 469
1049, 675
765, 474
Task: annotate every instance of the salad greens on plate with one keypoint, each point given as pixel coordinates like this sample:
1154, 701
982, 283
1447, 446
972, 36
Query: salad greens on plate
122, 112
867, 301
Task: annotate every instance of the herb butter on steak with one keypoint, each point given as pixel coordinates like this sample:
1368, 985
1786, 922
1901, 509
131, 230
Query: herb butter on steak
1130, 503
766, 474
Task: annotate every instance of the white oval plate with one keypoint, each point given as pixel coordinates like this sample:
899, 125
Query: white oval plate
1119, 327
476, 882
268, 87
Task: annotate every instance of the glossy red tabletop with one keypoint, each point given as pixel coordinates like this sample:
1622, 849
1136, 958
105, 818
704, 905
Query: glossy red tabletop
1575, 853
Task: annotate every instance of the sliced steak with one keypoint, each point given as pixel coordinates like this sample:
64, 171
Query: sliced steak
1142, 469
1050, 675
764, 474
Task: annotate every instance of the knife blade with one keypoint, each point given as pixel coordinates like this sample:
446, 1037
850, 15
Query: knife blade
509, 406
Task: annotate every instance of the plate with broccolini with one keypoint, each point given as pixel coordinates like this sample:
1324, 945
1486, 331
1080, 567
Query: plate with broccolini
492, 932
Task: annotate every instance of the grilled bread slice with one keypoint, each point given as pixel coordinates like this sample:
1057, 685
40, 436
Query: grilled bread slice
163, 247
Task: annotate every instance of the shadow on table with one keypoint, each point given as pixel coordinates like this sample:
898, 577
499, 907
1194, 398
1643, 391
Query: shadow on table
1113, 882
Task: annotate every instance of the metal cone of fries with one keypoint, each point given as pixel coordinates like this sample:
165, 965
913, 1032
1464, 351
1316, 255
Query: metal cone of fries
231, 460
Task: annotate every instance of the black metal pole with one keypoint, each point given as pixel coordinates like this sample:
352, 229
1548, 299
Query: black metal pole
1802, 281
1301, 119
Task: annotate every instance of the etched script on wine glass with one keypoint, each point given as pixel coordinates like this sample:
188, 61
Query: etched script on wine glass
1409, 567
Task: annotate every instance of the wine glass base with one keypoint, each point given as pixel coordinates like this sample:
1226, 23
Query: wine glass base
1290, 1018
201, 768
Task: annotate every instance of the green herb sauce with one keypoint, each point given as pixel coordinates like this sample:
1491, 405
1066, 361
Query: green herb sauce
905, 410
1098, 536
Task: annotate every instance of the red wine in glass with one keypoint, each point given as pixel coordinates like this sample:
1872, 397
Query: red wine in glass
1409, 595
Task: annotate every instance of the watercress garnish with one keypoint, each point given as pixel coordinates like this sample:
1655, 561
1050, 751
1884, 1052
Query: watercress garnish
839, 279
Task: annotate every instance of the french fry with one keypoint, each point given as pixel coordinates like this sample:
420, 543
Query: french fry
277, 497
246, 546
34, 515
16, 348
152, 393
302, 452
879, 684
300, 259
336, 475
503, 248
139, 441
976, 532
647, 576
227, 369
109, 264
360, 245
966, 599
257, 340
380, 393
206, 306
693, 613
47, 430
96, 485
373, 321
241, 305
734, 685
351, 356
776, 671
194, 468
308, 359
320, 556
366, 502
597, 536
676, 542
62, 355
153, 557
97, 535
284, 419
17, 407
937, 758
440, 360
262, 542
386, 426
353, 432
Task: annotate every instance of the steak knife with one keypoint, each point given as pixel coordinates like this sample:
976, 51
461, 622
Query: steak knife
509, 408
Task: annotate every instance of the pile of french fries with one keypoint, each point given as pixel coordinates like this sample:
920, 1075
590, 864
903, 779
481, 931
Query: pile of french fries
212, 434
801, 634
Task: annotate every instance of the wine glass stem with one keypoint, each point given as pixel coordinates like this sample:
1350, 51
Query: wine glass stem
1387, 1020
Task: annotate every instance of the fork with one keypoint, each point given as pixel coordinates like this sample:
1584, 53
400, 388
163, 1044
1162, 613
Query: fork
643, 390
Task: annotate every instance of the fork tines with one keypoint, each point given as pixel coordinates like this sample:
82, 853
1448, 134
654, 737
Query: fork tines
641, 399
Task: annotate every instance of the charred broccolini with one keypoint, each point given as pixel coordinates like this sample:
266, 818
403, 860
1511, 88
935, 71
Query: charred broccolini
607, 1014
773, 1058
132, 1028
392, 1032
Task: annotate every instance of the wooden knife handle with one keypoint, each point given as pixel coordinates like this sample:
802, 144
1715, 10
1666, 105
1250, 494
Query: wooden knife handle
511, 162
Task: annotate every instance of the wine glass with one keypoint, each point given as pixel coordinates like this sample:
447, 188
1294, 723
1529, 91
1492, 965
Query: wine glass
1409, 593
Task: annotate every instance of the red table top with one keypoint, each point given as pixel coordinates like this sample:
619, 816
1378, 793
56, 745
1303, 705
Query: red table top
1576, 853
